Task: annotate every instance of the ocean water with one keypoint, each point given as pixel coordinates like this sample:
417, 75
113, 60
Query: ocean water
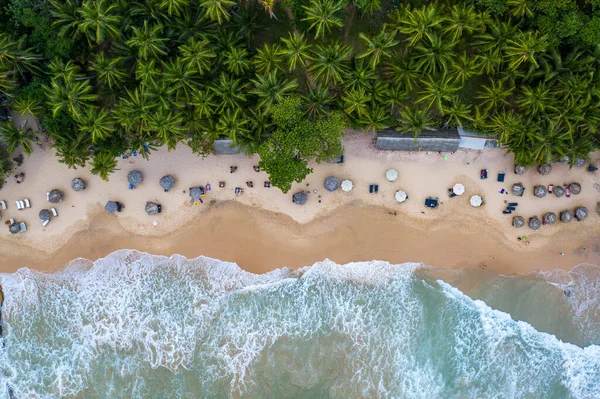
134, 325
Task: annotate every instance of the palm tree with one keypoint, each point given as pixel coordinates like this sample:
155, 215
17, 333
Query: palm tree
415, 120
457, 112
323, 16
103, 164
525, 48
296, 50
434, 55
247, 21
271, 89
182, 80
71, 151
395, 96
268, 58
204, 106
66, 17
497, 37
216, 10
536, 100
505, 124
237, 61
167, 126
197, 55
375, 118
490, 61
378, 47
230, 91
463, 19
149, 41
437, 91
15, 59
73, 96
8, 83
360, 77
98, 123
28, 103
401, 71
109, 71
99, 20
464, 67
520, 8
494, 96
147, 72
355, 102
133, 111
232, 124
174, 7
64, 73
330, 64
420, 23
14, 138
317, 101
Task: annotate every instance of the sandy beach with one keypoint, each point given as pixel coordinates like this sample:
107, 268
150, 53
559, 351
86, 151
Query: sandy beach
262, 229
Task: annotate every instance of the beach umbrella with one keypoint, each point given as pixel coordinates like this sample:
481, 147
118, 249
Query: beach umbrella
581, 212
545, 169
458, 189
300, 198
55, 196
331, 183
565, 159
535, 223
14, 228
580, 162
518, 221
550, 218
196, 192
77, 184
539, 191
520, 169
518, 189
347, 185
152, 208
476, 200
45, 215
566, 216
559, 191
167, 182
135, 177
111, 207
401, 196
575, 188
391, 174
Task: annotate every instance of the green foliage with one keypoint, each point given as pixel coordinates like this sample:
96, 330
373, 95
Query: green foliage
6, 165
16, 138
297, 140
104, 164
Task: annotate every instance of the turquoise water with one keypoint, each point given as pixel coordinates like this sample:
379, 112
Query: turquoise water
139, 326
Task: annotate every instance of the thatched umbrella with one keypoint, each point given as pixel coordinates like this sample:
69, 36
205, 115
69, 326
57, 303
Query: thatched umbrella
518, 222
331, 183
300, 198
580, 162
14, 228
152, 208
559, 191
545, 169
196, 192
78, 184
55, 196
518, 189
45, 215
550, 218
565, 159
520, 169
581, 212
167, 182
535, 223
566, 216
539, 191
135, 177
575, 188
111, 207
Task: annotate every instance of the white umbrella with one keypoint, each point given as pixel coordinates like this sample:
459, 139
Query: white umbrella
458, 189
391, 174
476, 200
347, 185
401, 196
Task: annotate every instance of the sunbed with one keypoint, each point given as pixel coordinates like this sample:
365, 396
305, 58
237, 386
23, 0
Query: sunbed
371, 188
23, 226
27, 203
3, 204
506, 211
376, 188
54, 213
45, 223
501, 177
484, 174
511, 208
19, 206
341, 159
431, 202
513, 203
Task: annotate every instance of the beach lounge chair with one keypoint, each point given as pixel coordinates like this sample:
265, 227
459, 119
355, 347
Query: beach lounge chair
23, 227
341, 159
550, 188
431, 202
12, 221
207, 186
376, 188
511, 208
3, 204
47, 196
568, 192
20, 204
513, 203
484, 174
371, 188
506, 211
45, 223
592, 168
27, 203
501, 177
54, 213
221, 184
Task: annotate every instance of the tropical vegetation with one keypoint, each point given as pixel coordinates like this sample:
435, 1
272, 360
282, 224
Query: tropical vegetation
283, 79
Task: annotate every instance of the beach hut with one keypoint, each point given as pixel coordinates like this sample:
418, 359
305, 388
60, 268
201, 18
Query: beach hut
520, 169
77, 184
135, 177
575, 188
401, 196
152, 208
518, 189
545, 169
559, 191
391, 174
539, 191
580, 162
55, 196
581, 212
566, 216
45, 215
458, 189
14, 228
535, 223
331, 183
550, 218
196, 192
347, 185
476, 201
300, 198
167, 182
518, 221
112, 207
